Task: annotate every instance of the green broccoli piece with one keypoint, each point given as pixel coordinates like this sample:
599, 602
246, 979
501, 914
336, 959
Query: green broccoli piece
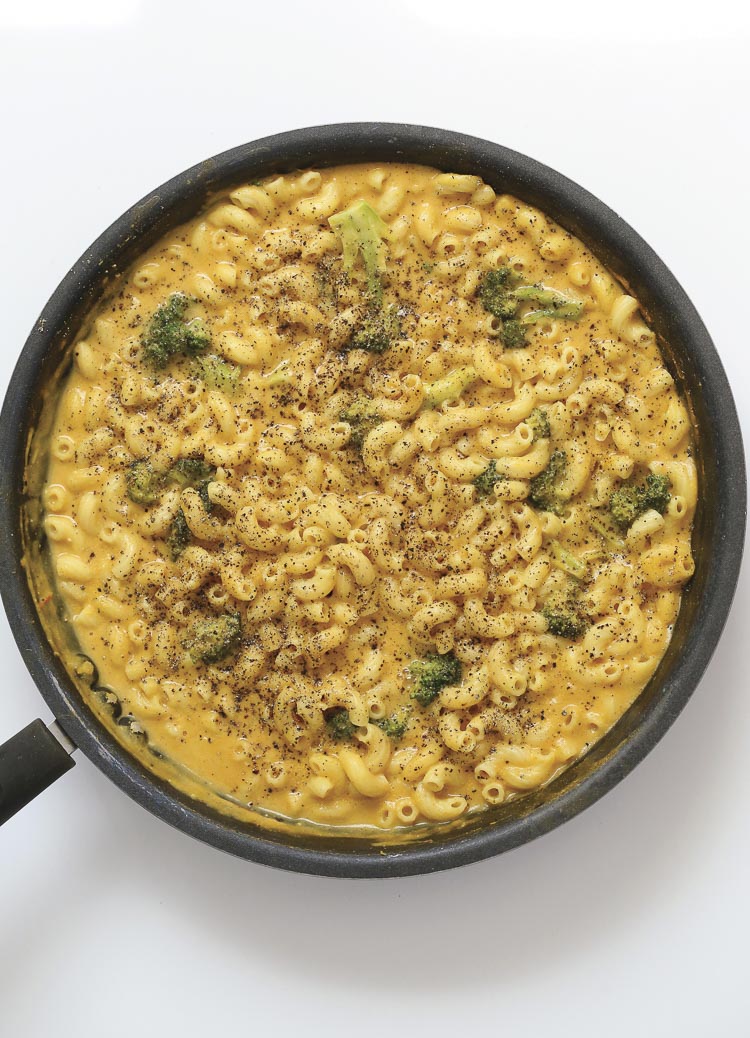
281, 375
513, 335
543, 492
502, 296
549, 298
563, 311
362, 232
144, 484
362, 417
567, 561
564, 613
378, 331
217, 373
395, 725
206, 501
564, 622
625, 506
486, 480
539, 423
193, 472
447, 389
168, 333
630, 501
432, 674
213, 639
656, 493
606, 530
179, 535
190, 472
339, 724
552, 302
494, 293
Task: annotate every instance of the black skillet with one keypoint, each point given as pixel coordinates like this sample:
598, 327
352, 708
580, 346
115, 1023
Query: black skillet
37, 756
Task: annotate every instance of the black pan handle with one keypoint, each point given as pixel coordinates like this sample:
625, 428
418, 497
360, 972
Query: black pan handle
29, 762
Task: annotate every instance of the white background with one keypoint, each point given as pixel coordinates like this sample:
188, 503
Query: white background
633, 918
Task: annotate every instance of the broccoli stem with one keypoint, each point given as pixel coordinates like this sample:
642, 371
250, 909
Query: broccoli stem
447, 389
279, 376
567, 562
606, 531
567, 312
217, 373
361, 232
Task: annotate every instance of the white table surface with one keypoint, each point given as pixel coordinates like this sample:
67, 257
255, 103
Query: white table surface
633, 918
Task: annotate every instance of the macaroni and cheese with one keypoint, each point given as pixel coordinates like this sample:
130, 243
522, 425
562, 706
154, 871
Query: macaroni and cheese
369, 497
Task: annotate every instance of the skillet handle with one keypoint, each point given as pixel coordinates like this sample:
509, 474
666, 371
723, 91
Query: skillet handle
29, 762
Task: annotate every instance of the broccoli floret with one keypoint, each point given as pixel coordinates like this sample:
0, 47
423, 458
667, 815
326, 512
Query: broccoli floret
144, 484
179, 535
564, 622
447, 389
630, 501
496, 297
395, 725
539, 423
543, 493
625, 506
564, 613
486, 480
217, 373
494, 293
513, 335
432, 674
377, 332
190, 472
567, 561
656, 493
213, 639
362, 417
339, 724
168, 333
362, 232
